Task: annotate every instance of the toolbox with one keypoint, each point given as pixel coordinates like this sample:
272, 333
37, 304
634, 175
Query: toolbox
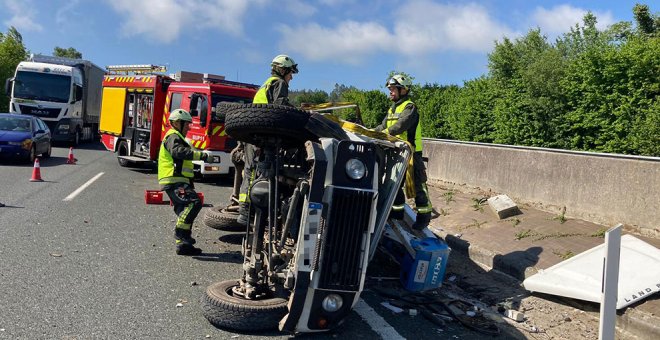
427, 269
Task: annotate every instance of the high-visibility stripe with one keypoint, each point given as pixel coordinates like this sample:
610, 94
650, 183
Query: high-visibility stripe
172, 180
215, 130
203, 145
425, 210
397, 207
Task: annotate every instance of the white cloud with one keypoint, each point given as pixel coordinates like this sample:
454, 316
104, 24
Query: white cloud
299, 8
560, 19
348, 42
420, 27
165, 20
22, 15
425, 26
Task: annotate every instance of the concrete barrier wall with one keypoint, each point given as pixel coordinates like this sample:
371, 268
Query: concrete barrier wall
602, 188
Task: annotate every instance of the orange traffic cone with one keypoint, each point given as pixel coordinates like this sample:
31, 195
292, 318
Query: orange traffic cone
71, 159
36, 172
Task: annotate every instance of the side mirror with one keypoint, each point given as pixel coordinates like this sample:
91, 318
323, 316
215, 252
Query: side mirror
78, 93
8, 83
203, 115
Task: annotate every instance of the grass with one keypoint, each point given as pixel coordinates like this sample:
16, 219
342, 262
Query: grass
600, 233
449, 196
524, 234
478, 203
562, 216
565, 255
556, 235
474, 224
444, 212
515, 222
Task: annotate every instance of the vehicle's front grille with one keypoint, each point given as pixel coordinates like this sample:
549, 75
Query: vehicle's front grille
344, 234
43, 113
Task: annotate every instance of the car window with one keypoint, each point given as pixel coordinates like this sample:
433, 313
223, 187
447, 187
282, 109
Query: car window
41, 125
21, 124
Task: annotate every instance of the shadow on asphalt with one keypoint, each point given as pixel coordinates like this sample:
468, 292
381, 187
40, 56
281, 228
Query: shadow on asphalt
232, 238
228, 257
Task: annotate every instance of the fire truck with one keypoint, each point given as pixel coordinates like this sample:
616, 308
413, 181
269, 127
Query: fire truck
137, 101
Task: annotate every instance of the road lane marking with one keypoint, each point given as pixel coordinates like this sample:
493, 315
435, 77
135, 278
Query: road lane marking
376, 322
83, 187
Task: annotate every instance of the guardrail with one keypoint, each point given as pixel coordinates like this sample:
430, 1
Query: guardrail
598, 187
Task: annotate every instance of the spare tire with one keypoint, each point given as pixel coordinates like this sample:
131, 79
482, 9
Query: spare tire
225, 310
221, 219
251, 123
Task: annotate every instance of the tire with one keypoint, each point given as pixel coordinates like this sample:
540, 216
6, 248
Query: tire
33, 154
122, 150
224, 310
219, 218
247, 122
48, 151
76, 138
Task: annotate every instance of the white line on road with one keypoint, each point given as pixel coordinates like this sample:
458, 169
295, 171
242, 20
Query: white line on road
377, 323
83, 187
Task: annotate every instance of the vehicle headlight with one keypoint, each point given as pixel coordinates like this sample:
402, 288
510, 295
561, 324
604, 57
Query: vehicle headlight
355, 168
332, 302
64, 127
26, 144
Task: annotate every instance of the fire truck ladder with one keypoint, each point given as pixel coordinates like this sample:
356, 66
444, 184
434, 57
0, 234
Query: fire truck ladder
136, 69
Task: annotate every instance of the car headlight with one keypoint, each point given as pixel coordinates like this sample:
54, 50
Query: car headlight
332, 303
355, 168
26, 144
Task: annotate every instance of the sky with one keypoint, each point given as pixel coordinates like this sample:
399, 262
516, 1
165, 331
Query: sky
351, 42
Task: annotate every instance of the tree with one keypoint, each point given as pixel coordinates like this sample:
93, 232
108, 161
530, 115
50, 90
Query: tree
645, 20
67, 52
12, 52
309, 97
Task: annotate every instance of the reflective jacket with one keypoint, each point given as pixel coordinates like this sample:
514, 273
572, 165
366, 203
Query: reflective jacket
411, 117
175, 159
275, 90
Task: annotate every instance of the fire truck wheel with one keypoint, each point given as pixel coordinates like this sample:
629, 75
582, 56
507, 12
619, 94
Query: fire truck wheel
224, 310
221, 219
122, 150
251, 122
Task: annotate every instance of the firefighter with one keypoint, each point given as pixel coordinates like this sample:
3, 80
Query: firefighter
175, 175
275, 90
402, 120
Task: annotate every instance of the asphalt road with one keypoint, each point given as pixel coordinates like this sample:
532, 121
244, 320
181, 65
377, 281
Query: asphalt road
101, 264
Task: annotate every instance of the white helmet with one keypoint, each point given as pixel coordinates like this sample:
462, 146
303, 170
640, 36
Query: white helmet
399, 80
284, 61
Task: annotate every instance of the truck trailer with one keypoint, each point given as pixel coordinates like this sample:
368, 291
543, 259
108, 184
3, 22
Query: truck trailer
65, 93
136, 108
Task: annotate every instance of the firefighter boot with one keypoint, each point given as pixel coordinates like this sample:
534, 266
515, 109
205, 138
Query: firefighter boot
243, 212
422, 221
184, 243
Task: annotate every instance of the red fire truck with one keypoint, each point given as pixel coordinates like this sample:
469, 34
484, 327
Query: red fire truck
135, 109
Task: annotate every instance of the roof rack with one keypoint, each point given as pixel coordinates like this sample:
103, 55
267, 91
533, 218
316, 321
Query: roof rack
136, 69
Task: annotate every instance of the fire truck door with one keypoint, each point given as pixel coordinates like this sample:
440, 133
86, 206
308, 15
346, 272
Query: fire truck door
199, 112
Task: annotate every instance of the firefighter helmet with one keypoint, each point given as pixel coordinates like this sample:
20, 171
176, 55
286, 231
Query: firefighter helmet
284, 61
399, 80
180, 114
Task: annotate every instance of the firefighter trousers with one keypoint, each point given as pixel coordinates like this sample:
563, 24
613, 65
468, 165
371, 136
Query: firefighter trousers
422, 201
185, 202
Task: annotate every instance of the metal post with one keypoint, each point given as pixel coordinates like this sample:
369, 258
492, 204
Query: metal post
610, 283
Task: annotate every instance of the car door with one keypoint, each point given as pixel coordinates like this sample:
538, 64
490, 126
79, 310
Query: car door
40, 136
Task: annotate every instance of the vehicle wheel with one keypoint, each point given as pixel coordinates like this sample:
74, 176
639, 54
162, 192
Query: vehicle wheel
122, 150
76, 138
33, 154
247, 122
225, 310
221, 219
48, 151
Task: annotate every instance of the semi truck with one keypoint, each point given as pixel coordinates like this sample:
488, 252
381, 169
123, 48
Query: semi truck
65, 93
136, 106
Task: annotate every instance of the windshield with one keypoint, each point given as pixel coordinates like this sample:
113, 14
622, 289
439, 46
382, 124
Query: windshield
42, 86
217, 98
15, 124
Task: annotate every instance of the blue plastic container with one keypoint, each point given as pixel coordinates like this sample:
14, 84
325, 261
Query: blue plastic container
427, 270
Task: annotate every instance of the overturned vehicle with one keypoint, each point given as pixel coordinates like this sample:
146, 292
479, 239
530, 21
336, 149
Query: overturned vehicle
319, 206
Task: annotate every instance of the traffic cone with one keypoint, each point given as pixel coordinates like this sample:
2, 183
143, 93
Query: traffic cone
36, 172
71, 159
